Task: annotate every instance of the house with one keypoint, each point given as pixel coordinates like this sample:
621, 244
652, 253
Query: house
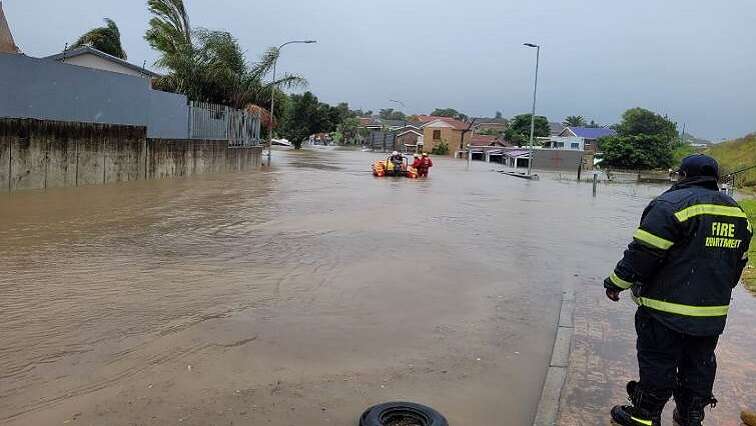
454, 133
7, 45
485, 147
590, 136
370, 123
484, 125
90, 57
516, 158
485, 140
563, 142
410, 138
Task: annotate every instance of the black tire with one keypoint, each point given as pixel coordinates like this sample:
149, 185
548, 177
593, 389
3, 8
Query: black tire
384, 414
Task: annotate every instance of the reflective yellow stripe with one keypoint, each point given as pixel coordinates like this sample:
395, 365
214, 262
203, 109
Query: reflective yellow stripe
709, 209
619, 282
686, 310
641, 421
652, 239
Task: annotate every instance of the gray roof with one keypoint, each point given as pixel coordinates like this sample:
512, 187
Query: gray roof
87, 49
556, 128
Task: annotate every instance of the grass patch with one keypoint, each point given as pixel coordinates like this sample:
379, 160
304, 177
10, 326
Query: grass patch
735, 155
681, 152
749, 276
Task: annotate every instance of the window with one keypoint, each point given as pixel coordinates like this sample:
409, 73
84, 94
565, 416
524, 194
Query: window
437, 135
575, 145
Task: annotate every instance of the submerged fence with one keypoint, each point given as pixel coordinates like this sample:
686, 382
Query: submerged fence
219, 122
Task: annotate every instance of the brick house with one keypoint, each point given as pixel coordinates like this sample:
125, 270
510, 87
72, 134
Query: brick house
456, 134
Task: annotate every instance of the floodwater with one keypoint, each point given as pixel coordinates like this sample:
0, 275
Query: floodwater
298, 295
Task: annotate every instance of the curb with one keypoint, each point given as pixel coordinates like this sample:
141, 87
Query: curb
548, 405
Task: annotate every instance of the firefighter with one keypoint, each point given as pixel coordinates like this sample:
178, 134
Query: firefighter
397, 160
425, 164
682, 265
417, 162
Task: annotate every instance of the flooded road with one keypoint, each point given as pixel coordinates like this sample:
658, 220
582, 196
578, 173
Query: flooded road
297, 295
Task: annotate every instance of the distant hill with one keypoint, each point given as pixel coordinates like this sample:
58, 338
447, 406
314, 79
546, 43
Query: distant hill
736, 155
692, 140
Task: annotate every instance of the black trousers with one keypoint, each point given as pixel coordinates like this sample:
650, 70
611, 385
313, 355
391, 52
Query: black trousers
669, 361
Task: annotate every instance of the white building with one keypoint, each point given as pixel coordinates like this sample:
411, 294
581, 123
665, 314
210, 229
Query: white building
564, 142
89, 57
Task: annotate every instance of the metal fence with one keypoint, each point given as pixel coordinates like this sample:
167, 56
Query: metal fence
381, 141
219, 122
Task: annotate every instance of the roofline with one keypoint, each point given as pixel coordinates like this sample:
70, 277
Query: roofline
410, 131
450, 125
88, 49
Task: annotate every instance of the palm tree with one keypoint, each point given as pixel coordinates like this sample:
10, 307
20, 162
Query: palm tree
170, 33
575, 121
209, 65
105, 39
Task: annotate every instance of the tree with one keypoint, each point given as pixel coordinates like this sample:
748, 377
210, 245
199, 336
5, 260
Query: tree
499, 115
639, 121
301, 118
449, 112
441, 148
350, 129
106, 39
306, 116
575, 121
593, 125
638, 152
518, 131
645, 140
391, 114
209, 65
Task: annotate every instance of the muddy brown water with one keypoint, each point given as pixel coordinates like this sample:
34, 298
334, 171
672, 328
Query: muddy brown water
297, 295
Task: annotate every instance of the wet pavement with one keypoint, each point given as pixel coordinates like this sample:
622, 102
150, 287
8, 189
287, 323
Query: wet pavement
603, 361
306, 293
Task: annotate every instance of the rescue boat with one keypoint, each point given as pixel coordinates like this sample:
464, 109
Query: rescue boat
383, 168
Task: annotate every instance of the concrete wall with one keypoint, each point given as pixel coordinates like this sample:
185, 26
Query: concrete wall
168, 117
36, 154
49, 90
557, 159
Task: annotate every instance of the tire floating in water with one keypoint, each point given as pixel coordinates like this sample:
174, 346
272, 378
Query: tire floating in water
402, 414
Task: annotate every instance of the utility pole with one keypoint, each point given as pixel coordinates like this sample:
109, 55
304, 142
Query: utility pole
275, 90
532, 116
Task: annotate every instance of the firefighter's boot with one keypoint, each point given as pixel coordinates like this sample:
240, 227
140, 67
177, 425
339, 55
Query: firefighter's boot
645, 411
690, 411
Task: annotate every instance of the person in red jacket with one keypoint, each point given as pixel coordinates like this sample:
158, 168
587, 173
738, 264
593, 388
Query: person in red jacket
418, 161
425, 164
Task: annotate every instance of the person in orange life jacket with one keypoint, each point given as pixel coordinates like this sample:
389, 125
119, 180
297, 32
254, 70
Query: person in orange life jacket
417, 162
425, 164
682, 265
397, 160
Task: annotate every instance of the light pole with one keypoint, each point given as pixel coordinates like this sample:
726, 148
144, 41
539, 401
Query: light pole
532, 116
404, 121
273, 93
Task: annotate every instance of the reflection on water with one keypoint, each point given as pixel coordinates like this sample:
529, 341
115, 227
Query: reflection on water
100, 284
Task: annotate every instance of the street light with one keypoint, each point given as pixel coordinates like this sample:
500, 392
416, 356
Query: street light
273, 93
532, 116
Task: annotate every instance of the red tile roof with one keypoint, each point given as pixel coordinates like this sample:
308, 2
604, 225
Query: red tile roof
457, 124
482, 140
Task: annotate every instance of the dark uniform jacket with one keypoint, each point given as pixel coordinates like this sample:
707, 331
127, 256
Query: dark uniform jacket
686, 257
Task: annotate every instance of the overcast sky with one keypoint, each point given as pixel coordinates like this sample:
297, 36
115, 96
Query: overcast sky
691, 59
